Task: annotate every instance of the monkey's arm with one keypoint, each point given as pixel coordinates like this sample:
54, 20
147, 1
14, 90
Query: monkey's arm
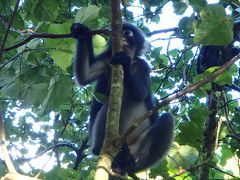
87, 72
136, 76
87, 68
137, 83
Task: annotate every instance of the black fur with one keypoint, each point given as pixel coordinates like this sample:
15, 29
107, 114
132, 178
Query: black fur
151, 140
211, 56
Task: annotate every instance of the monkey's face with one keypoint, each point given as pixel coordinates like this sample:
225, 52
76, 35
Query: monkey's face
133, 40
129, 43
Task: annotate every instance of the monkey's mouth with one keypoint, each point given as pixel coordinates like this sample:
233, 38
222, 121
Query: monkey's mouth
125, 42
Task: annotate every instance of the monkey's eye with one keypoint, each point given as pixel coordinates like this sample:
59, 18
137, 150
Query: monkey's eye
127, 33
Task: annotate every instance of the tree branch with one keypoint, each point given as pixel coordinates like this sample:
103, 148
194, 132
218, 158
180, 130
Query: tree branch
12, 173
229, 125
59, 36
38, 35
55, 146
111, 143
5, 153
52, 36
8, 28
209, 135
181, 93
162, 31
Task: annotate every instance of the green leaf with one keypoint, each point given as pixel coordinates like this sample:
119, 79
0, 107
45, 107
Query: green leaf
211, 70
159, 169
164, 61
227, 154
41, 10
174, 53
186, 26
169, 83
61, 174
193, 127
100, 44
105, 13
199, 77
232, 105
59, 92
18, 22
222, 79
149, 3
215, 27
62, 59
234, 69
87, 15
156, 19
63, 28
101, 98
186, 156
200, 93
179, 7
197, 4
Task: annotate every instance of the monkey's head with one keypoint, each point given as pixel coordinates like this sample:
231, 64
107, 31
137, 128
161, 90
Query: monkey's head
133, 40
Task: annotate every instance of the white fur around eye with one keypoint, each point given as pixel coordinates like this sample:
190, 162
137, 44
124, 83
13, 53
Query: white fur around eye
128, 33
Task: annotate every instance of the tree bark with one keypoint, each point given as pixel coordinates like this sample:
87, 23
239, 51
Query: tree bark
111, 143
209, 136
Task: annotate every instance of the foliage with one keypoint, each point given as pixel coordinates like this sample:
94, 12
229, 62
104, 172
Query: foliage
46, 111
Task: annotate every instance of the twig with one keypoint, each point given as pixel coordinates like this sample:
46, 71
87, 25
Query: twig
209, 135
218, 132
195, 167
58, 36
37, 35
52, 36
229, 125
188, 89
218, 169
183, 171
12, 173
5, 153
62, 144
8, 28
162, 31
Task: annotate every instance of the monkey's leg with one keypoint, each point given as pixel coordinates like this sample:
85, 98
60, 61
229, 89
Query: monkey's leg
154, 142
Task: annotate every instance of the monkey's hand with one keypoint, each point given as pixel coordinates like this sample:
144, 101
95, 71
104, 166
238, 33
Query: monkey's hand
80, 31
123, 59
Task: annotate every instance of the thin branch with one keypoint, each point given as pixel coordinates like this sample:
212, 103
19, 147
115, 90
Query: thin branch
183, 171
188, 89
229, 125
59, 36
195, 167
218, 169
52, 36
12, 173
59, 145
6, 156
162, 31
209, 135
8, 28
38, 35
80, 154
218, 132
